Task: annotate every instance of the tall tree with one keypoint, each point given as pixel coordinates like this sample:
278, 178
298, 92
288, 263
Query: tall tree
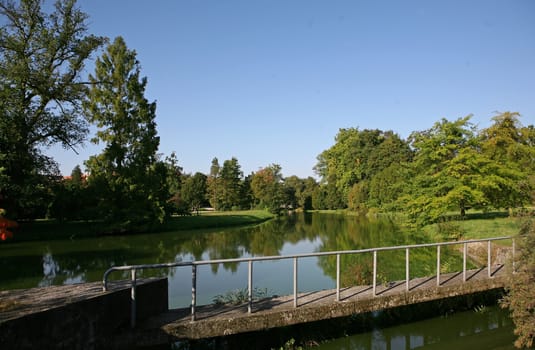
213, 184
267, 186
174, 181
194, 191
42, 57
134, 182
231, 178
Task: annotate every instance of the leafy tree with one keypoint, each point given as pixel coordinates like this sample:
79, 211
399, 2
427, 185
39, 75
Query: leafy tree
194, 191
508, 143
304, 196
358, 196
299, 195
388, 185
520, 293
357, 156
503, 140
132, 180
267, 186
327, 196
42, 57
451, 173
299, 191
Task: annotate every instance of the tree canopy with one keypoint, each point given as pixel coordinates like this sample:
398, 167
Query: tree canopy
452, 166
42, 58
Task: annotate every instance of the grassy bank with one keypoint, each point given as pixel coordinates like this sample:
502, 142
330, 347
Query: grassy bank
476, 224
479, 225
52, 230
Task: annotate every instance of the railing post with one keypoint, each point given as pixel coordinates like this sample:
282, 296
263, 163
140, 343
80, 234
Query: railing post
374, 272
407, 272
295, 281
465, 248
489, 259
250, 284
338, 277
133, 300
438, 265
193, 290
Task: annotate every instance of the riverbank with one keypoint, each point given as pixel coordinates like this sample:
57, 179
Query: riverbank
46, 230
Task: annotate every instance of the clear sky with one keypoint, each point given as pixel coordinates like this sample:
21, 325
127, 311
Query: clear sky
273, 81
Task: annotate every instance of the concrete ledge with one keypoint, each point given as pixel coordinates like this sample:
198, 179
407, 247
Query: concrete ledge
87, 322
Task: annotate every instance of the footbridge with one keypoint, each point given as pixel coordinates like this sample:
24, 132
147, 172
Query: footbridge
490, 256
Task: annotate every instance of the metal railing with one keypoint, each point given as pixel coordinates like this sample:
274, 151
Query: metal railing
295, 258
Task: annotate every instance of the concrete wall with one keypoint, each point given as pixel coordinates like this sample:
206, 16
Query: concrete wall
88, 324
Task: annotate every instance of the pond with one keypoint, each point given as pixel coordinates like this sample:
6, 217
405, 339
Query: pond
37, 264
34, 264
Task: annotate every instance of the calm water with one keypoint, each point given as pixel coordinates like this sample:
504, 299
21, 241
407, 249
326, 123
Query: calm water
489, 328
34, 264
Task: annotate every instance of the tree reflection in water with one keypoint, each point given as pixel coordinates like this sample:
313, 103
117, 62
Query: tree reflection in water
86, 260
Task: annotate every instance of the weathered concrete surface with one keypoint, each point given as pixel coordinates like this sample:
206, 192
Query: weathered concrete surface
213, 321
79, 316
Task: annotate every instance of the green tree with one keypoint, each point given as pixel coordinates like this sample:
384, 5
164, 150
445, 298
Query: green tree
358, 155
507, 142
42, 57
388, 185
304, 197
132, 180
194, 191
520, 293
213, 184
327, 196
229, 187
299, 191
294, 187
246, 195
451, 173
267, 186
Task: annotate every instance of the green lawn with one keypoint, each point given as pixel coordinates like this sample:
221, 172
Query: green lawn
483, 225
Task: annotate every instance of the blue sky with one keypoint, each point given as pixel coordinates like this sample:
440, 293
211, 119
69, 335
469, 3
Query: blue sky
273, 81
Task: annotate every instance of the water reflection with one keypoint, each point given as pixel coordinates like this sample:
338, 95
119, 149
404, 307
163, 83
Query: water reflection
86, 260
53, 274
487, 329
50, 267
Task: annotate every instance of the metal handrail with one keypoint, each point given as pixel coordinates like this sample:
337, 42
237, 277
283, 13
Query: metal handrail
295, 257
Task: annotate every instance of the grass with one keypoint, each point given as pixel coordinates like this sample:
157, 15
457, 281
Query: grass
53, 230
478, 225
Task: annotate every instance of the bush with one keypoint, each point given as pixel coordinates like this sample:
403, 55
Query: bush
521, 291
